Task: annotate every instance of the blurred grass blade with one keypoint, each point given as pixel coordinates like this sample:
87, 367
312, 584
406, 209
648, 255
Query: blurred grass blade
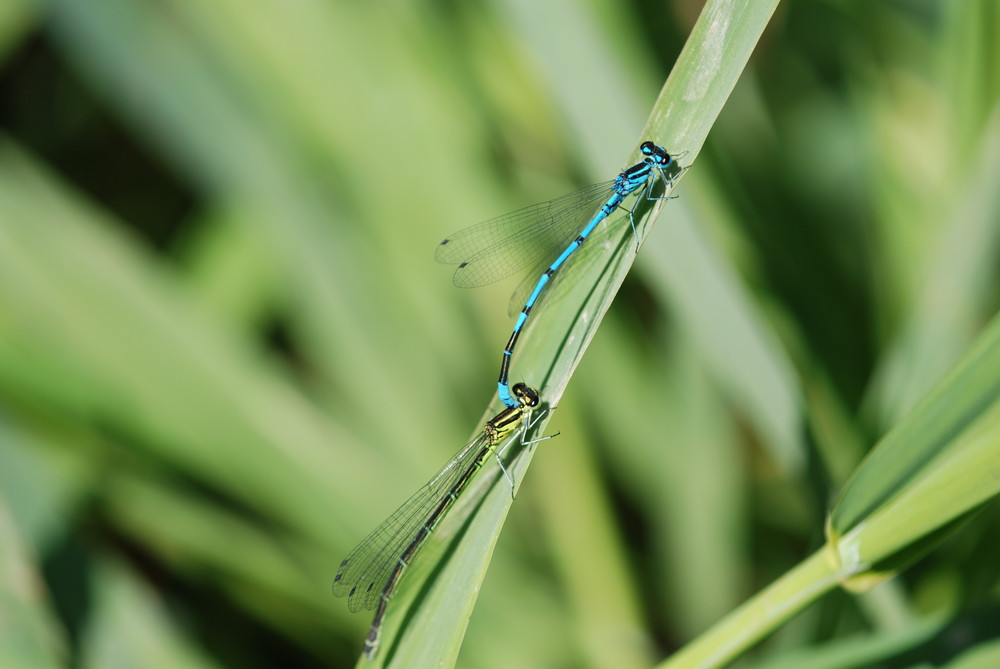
860, 650
939, 463
704, 75
735, 341
936, 467
129, 628
940, 326
30, 638
984, 656
758, 617
274, 576
566, 41
947, 429
17, 17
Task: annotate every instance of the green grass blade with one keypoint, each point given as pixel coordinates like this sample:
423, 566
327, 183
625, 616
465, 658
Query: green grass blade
983, 656
932, 470
730, 333
939, 326
759, 616
30, 637
426, 622
706, 71
63, 274
944, 441
557, 337
863, 650
937, 466
130, 628
16, 18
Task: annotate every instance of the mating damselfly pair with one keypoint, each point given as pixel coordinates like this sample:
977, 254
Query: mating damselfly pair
544, 237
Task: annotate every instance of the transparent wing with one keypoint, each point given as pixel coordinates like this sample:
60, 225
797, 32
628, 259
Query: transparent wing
527, 285
495, 249
364, 573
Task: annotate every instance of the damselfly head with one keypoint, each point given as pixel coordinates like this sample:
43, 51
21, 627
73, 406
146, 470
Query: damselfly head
526, 396
658, 154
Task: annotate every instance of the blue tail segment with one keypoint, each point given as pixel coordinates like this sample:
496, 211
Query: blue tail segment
499, 247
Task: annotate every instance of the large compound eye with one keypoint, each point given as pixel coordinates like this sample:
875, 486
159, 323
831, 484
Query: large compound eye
659, 154
527, 395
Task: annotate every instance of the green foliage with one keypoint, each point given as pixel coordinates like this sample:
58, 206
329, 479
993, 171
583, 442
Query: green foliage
226, 352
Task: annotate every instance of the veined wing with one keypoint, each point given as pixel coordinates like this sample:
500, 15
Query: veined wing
364, 573
495, 249
527, 285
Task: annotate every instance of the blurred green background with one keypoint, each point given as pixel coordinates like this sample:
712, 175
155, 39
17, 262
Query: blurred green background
226, 352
